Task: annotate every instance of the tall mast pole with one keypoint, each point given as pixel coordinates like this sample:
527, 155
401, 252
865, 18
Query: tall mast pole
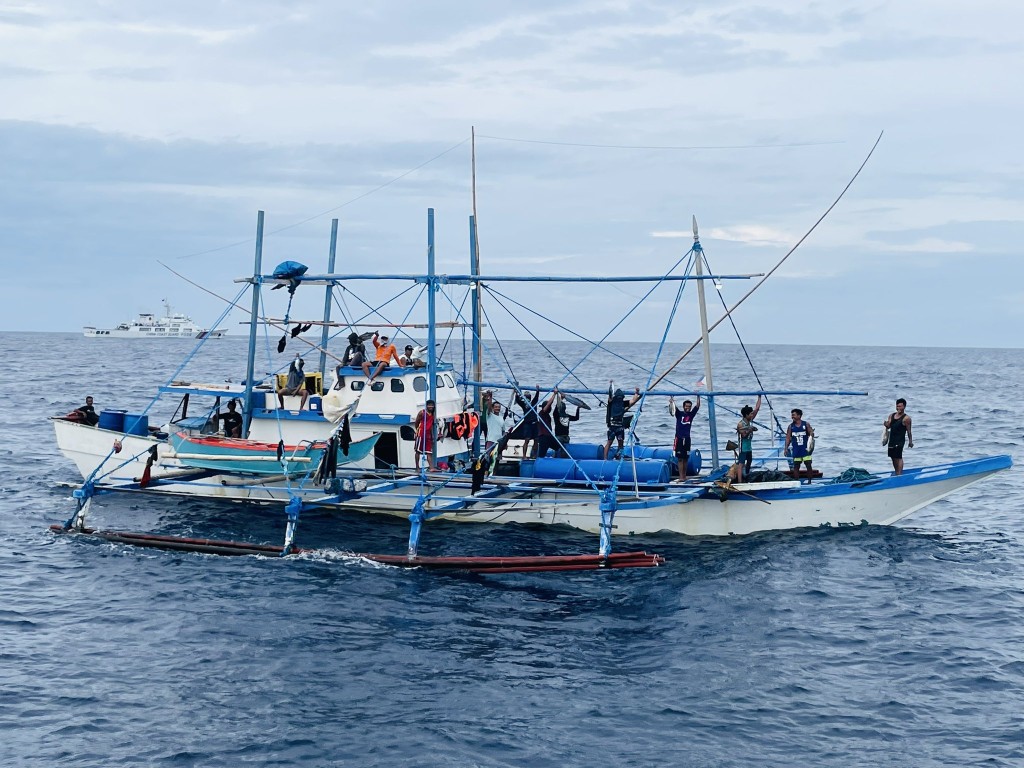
250, 369
474, 269
431, 331
699, 253
328, 300
474, 238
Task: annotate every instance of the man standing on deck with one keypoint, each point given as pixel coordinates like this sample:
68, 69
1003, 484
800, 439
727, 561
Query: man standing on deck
424, 425
615, 417
798, 443
562, 422
745, 430
898, 425
684, 420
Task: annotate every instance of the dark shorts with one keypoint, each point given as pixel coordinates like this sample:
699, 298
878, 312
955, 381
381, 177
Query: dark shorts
896, 451
682, 446
528, 430
745, 457
381, 363
546, 443
617, 433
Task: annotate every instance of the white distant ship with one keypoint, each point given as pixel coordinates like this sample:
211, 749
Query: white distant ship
173, 325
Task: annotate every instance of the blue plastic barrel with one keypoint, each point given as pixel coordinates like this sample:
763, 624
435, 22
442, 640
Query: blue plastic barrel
647, 470
580, 451
694, 462
112, 420
555, 469
136, 424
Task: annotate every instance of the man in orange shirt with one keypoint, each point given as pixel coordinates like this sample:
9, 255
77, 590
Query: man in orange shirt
385, 352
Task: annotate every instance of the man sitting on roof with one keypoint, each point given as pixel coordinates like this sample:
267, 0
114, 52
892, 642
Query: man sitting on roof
295, 383
385, 352
409, 359
355, 353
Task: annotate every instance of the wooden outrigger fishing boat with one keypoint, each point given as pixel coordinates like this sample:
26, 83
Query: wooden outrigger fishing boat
637, 491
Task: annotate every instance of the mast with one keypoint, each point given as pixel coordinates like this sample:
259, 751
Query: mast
477, 363
328, 298
699, 252
250, 368
474, 244
431, 331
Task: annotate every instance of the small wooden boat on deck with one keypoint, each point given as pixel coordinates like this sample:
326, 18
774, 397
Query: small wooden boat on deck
232, 454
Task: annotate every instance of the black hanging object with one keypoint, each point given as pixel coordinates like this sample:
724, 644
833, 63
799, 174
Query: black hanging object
282, 343
280, 450
480, 467
300, 328
345, 436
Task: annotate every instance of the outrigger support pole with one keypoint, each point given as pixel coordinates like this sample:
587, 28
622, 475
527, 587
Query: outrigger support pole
416, 518
607, 506
292, 509
82, 496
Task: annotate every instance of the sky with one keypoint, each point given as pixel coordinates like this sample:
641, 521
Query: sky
136, 134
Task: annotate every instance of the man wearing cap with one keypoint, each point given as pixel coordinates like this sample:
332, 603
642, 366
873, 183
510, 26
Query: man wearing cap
385, 352
409, 359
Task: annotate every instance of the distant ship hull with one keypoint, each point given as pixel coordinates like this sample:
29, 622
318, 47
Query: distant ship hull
173, 325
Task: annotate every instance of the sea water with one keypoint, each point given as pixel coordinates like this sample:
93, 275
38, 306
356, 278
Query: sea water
899, 645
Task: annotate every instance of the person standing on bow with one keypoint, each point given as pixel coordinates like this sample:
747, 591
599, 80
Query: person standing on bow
684, 420
425, 430
898, 425
799, 437
745, 430
562, 422
386, 352
615, 416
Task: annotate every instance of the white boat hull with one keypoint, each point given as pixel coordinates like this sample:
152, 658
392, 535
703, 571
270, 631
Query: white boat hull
685, 509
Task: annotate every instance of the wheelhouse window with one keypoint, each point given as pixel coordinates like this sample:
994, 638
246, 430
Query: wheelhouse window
420, 384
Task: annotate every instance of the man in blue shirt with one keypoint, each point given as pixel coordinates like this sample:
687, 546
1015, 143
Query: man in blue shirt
684, 420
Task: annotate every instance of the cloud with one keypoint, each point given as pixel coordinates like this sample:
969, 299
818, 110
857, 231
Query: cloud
931, 245
753, 234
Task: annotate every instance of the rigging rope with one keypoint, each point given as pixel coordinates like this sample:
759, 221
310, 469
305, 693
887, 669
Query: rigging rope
779, 263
